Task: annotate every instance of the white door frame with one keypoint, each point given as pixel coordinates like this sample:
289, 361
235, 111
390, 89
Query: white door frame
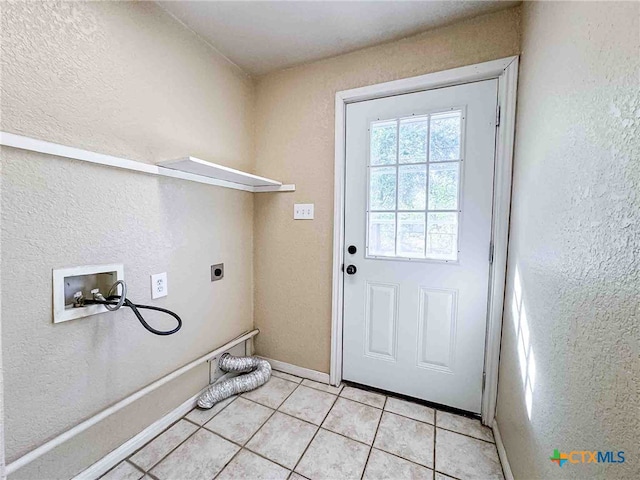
506, 71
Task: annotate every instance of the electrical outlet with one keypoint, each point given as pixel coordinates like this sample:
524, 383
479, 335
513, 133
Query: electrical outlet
303, 211
159, 286
217, 272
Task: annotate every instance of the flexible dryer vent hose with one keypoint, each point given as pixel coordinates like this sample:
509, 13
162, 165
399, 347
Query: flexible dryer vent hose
259, 372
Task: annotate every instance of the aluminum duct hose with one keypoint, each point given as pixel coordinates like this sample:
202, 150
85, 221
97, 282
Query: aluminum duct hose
259, 374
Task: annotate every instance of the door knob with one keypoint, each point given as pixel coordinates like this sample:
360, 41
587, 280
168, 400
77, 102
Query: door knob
351, 269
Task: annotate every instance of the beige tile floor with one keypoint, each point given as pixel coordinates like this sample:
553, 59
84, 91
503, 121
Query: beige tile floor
299, 429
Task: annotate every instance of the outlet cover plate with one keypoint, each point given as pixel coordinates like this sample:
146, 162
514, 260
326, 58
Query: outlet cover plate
303, 211
217, 272
159, 287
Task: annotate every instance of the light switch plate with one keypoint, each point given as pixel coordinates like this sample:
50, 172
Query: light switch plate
303, 211
159, 287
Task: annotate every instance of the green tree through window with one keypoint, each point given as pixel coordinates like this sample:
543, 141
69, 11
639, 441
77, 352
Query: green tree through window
424, 222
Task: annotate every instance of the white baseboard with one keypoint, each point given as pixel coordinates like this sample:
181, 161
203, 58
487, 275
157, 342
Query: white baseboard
112, 459
106, 463
502, 453
298, 371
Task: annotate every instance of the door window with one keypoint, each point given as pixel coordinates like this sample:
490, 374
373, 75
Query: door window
414, 173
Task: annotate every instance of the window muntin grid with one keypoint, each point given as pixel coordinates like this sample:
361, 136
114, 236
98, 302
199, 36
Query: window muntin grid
414, 174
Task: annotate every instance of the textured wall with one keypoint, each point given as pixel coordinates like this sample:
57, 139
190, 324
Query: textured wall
124, 79
574, 254
2, 447
295, 141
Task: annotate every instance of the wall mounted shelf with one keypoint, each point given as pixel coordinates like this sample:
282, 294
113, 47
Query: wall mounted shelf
213, 170
188, 168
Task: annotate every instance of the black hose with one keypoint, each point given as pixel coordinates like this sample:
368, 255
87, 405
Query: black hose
134, 307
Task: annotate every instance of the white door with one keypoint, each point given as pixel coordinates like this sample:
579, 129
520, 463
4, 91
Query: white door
418, 201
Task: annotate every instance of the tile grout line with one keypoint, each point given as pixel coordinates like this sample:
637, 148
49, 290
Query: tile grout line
151, 475
267, 458
281, 403
313, 424
258, 454
371, 447
348, 438
351, 438
435, 427
435, 432
314, 435
259, 427
323, 418
405, 459
411, 418
374, 438
320, 389
227, 464
302, 420
170, 451
242, 447
465, 435
288, 415
283, 378
417, 402
153, 438
319, 427
435, 470
396, 455
274, 409
367, 404
270, 416
199, 427
184, 417
215, 414
441, 428
130, 464
191, 422
296, 418
445, 474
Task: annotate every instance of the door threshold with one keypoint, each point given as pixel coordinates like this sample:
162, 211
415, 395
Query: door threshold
419, 401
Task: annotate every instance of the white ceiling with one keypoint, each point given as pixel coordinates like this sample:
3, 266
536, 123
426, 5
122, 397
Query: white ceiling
262, 36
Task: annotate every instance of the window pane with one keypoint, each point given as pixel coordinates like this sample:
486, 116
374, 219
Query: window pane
382, 234
383, 143
413, 140
382, 191
445, 137
412, 187
443, 186
411, 235
442, 236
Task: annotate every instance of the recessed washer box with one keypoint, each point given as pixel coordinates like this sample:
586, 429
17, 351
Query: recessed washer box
68, 281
